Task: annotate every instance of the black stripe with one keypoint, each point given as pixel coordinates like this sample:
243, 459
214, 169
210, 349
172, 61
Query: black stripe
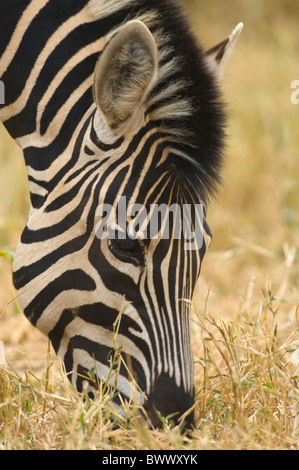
71, 82
11, 12
99, 353
70, 164
81, 170
101, 145
46, 233
97, 314
40, 159
65, 198
73, 279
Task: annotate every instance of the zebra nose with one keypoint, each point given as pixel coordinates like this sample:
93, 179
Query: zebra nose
167, 400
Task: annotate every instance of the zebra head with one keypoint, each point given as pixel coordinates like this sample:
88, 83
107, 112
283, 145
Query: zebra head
116, 235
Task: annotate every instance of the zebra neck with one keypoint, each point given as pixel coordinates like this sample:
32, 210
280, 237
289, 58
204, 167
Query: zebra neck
47, 60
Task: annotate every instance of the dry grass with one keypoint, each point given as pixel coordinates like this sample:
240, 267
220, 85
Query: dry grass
245, 318
246, 396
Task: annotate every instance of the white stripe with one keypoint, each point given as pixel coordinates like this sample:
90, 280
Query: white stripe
28, 15
56, 38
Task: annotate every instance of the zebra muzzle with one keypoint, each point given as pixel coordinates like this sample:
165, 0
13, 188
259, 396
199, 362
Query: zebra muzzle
169, 402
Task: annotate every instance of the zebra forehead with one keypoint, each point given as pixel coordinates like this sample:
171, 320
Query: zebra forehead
165, 185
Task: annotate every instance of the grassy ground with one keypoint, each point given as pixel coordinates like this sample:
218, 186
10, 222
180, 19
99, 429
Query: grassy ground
245, 319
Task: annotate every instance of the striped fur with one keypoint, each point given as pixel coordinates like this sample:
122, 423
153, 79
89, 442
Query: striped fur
70, 284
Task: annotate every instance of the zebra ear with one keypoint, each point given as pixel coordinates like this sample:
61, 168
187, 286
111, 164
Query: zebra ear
124, 73
218, 56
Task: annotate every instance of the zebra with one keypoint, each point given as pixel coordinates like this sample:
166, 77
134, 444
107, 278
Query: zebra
111, 99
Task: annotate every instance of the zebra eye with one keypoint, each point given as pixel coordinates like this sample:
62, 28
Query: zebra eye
127, 250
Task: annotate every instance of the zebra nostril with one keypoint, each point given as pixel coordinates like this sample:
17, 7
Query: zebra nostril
168, 401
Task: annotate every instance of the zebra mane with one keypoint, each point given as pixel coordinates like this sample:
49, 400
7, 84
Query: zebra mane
185, 99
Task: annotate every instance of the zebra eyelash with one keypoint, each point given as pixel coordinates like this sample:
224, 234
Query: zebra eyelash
133, 254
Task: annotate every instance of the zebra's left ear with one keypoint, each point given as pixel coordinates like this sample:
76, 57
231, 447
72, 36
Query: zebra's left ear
217, 57
124, 73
